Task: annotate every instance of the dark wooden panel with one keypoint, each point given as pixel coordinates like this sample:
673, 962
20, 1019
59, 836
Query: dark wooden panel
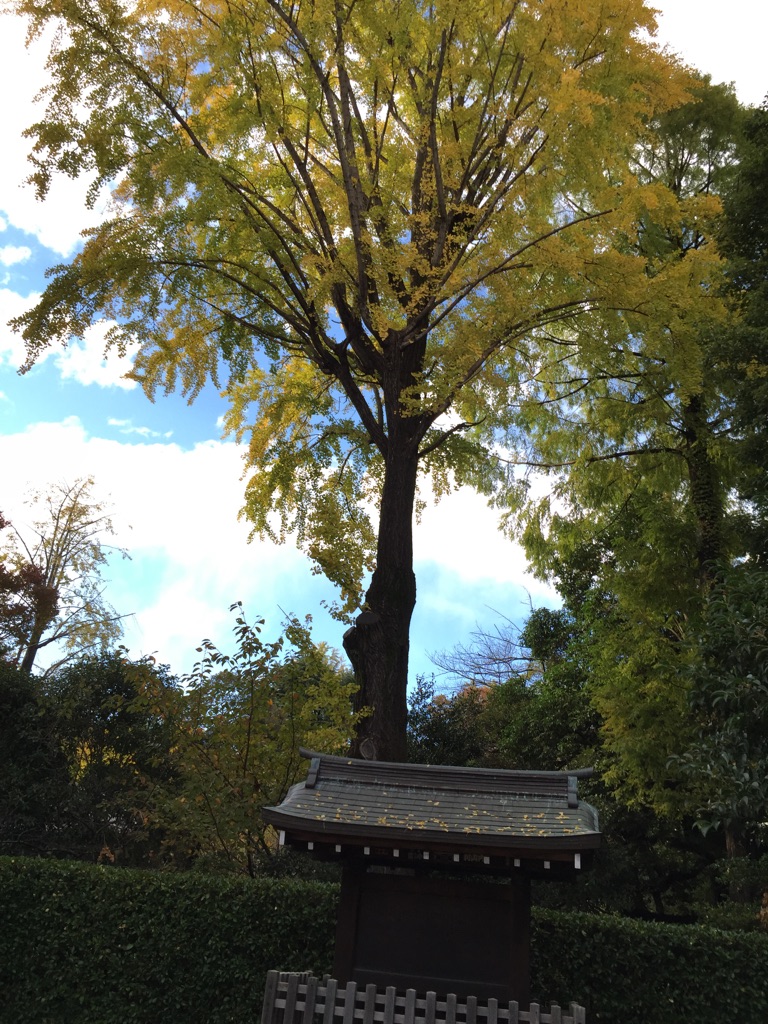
432, 935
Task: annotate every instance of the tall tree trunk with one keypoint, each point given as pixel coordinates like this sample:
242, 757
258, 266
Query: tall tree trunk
705, 487
377, 645
30, 653
33, 644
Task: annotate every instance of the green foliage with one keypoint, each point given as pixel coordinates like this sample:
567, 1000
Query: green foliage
729, 702
114, 761
744, 231
647, 459
744, 238
647, 868
443, 730
537, 716
117, 757
34, 779
89, 944
82, 762
550, 722
236, 731
649, 864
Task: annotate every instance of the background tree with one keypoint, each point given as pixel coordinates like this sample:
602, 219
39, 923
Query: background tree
743, 237
372, 214
34, 779
119, 757
51, 589
509, 650
237, 729
649, 865
729, 702
537, 717
25, 598
645, 450
446, 729
84, 760
117, 761
655, 530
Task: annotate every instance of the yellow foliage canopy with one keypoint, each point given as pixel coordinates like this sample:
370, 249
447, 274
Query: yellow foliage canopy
358, 216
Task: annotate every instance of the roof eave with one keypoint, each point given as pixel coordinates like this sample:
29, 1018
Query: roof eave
426, 838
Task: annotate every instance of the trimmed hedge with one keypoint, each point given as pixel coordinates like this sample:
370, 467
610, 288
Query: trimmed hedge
639, 972
93, 945
90, 945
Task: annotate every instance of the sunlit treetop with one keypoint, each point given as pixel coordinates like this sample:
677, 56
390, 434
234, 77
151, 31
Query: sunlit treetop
352, 216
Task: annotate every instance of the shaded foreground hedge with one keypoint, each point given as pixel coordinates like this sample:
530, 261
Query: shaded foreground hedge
89, 945
640, 972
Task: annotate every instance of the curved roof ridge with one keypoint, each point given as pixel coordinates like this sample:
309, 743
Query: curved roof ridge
393, 767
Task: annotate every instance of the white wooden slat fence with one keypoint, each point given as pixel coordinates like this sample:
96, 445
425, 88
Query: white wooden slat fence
292, 998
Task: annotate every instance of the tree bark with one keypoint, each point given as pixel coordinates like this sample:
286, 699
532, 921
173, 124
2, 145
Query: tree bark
40, 623
30, 653
705, 489
377, 645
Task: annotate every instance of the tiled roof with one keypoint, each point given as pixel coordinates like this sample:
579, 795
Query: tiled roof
437, 807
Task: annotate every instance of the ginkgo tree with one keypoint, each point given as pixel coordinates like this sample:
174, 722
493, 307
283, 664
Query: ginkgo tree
358, 217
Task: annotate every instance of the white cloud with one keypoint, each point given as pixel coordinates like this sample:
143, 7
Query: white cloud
81, 361
127, 427
57, 222
12, 254
725, 41
461, 534
84, 361
176, 512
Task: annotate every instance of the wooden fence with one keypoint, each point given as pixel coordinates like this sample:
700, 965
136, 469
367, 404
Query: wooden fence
305, 999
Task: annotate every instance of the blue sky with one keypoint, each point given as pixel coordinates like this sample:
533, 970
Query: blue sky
175, 486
